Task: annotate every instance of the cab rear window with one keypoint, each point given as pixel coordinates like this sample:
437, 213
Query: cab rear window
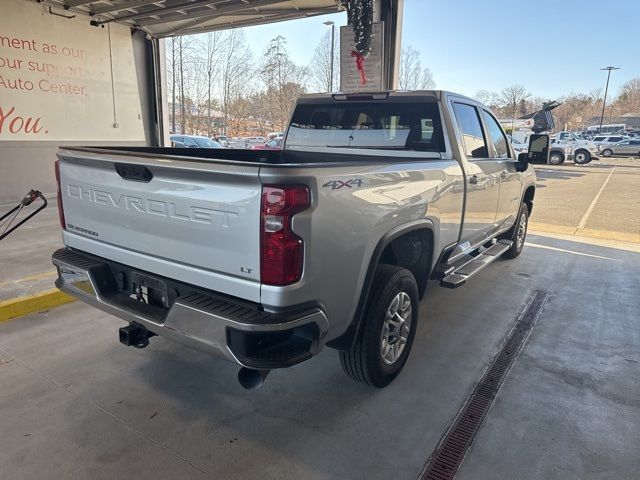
368, 125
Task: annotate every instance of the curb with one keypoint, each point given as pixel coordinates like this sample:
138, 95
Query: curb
17, 307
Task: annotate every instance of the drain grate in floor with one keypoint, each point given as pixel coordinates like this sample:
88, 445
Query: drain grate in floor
448, 455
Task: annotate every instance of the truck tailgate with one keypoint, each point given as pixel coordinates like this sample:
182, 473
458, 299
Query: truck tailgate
195, 221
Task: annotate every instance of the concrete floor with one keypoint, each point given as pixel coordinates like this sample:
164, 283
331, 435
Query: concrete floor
25, 255
74, 403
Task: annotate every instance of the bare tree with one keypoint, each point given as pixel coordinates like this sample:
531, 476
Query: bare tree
631, 89
486, 97
629, 98
321, 62
235, 71
413, 76
512, 96
512, 99
576, 109
283, 80
212, 45
183, 119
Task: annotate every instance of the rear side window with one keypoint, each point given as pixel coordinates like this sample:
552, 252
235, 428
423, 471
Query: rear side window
384, 125
475, 144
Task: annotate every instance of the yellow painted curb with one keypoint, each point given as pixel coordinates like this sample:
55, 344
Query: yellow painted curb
17, 307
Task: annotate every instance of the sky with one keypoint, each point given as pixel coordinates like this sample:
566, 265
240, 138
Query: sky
551, 47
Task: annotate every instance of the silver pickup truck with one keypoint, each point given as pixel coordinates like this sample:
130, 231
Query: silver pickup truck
265, 257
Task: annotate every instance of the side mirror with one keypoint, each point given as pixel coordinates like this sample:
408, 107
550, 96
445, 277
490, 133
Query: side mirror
538, 152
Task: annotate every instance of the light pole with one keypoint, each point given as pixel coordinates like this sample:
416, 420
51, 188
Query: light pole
333, 28
606, 89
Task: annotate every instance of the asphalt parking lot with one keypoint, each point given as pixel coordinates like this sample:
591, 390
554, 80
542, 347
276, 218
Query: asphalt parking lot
600, 199
74, 403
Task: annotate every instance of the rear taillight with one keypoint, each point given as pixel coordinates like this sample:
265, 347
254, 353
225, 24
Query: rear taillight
282, 251
63, 224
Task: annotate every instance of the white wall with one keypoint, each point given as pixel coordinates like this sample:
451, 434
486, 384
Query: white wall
64, 95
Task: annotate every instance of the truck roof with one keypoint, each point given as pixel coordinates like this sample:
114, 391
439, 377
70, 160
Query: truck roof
380, 95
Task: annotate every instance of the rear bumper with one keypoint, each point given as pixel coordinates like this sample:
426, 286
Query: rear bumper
238, 331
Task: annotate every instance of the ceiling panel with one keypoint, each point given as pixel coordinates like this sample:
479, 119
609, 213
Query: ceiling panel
162, 18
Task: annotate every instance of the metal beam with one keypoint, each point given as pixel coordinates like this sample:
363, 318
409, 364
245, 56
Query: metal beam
130, 5
272, 11
76, 3
206, 16
238, 24
163, 10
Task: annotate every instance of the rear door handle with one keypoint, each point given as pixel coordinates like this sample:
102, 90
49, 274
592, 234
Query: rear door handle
473, 180
503, 175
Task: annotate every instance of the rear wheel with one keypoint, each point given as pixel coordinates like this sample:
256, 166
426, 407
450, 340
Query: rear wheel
607, 152
582, 157
556, 158
384, 341
518, 233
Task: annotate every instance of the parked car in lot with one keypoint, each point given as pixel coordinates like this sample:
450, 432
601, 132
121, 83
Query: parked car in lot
251, 141
195, 141
275, 135
270, 145
628, 147
604, 140
265, 257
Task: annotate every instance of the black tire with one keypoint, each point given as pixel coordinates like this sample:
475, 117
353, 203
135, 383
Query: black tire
581, 157
364, 360
556, 158
514, 232
607, 152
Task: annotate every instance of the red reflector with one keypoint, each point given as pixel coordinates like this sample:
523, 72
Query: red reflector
282, 251
63, 224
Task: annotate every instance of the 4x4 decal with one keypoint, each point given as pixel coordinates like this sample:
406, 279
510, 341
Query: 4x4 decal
338, 184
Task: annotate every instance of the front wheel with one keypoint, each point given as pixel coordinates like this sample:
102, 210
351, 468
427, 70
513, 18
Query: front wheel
518, 233
607, 152
384, 341
556, 158
582, 157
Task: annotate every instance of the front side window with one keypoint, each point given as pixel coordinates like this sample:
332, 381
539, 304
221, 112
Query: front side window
189, 142
385, 125
500, 147
470, 127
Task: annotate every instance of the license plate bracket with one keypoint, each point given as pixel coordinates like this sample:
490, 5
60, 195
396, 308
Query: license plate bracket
150, 289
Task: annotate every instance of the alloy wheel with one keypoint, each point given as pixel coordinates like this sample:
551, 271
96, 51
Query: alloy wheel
396, 328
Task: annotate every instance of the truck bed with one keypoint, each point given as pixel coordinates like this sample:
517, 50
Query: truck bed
261, 157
